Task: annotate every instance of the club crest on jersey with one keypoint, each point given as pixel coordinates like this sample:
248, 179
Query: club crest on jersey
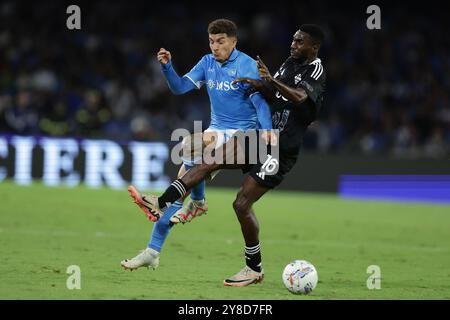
298, 78
232, 72
221, 85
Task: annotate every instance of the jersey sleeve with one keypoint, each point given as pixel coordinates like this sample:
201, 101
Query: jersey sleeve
313, 82
197, 73
249, 70
262, 111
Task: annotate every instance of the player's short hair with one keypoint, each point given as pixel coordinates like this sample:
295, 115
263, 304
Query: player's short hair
314, 31
223, 26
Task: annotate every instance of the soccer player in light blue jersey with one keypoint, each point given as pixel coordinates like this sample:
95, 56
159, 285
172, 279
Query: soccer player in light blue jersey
233, 107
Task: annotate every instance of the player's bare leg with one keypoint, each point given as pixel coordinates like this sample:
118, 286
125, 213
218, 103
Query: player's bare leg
202, 172
249, 193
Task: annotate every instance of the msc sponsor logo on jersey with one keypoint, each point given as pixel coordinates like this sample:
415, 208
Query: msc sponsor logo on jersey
221, 85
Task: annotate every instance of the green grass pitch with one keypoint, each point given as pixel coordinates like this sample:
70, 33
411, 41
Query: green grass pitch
44, 230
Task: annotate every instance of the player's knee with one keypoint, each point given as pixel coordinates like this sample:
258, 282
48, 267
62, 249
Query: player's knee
237, 206
240, 206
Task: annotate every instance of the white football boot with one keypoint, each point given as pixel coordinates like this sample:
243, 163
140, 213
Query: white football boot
147, 258
244, 277
193, 209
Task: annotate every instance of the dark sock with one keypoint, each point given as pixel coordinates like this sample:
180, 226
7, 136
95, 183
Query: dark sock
253, 258
174, 192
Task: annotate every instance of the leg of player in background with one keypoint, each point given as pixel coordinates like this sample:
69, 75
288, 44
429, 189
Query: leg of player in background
162, 227
249, 193
150, 256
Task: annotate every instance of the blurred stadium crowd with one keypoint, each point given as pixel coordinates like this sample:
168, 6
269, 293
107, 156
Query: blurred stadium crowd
388, 90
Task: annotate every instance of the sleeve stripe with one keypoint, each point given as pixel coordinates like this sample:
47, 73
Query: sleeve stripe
197, 84
316, 67
315, 75
320, 73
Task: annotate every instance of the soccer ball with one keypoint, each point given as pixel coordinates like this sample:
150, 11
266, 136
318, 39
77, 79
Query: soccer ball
300, 277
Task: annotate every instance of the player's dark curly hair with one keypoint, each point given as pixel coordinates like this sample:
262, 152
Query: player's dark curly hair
223, 26
315, 32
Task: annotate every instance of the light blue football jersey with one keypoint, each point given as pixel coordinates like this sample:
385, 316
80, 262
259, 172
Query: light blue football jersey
231, 107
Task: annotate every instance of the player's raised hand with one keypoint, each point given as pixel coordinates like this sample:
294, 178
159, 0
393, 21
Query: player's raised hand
164, 56
256, 84
263, 70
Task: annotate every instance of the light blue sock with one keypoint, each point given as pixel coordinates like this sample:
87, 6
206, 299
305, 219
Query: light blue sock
198, 192
162, 227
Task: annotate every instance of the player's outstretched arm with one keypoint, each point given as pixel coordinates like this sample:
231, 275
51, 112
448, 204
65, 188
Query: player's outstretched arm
264, 88
295, 95
250, 77
177, 84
